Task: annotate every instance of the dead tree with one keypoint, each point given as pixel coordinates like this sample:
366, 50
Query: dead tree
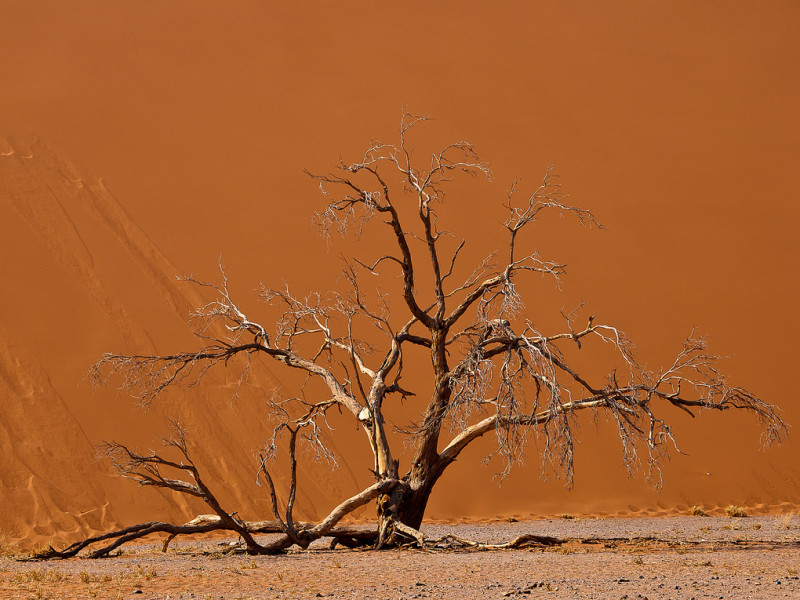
490, 369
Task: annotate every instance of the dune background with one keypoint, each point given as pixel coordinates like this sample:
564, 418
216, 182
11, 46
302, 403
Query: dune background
142, 140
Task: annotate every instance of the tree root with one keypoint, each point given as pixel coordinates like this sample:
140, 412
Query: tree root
357, 537
122, 536
350, 537
410, 532
452, 541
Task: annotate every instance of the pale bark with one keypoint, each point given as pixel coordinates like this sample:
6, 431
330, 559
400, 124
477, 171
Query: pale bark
489, 368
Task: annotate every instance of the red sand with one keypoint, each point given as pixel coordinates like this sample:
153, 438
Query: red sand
140, 141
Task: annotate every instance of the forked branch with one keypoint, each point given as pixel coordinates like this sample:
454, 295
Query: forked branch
485, 365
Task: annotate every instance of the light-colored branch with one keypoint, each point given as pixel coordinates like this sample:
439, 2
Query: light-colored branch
349, 505
470, 434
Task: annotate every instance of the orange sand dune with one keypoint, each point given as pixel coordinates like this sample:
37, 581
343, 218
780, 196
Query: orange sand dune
92, 266
141, 140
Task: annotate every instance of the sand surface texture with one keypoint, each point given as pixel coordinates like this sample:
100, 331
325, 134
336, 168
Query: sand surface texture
694, 557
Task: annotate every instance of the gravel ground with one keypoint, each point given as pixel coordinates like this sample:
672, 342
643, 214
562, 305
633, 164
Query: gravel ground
691, 557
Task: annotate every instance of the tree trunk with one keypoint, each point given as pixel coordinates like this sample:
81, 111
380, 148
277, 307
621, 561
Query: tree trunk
411, 508
406, 504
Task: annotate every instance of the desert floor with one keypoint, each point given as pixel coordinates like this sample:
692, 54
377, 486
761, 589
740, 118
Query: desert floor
654, 558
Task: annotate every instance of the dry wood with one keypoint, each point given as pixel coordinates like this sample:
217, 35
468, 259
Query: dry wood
490, 368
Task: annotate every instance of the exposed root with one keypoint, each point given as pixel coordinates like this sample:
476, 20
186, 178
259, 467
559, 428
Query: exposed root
410, 532
452, 541
122, 536
354, 537
399, 530
350, 537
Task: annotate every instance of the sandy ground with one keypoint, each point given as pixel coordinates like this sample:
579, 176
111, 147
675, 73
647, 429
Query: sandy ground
696, 557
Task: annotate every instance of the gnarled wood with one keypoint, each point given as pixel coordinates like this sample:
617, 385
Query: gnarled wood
489, 368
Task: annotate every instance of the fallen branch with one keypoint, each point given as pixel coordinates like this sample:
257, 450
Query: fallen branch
346, 536
523, 541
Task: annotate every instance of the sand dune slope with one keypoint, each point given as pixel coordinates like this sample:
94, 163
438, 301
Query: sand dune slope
84, 279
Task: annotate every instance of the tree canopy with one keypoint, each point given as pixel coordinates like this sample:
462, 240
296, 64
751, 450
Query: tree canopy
489, 368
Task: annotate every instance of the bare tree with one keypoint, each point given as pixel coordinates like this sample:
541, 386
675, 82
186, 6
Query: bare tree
490, 369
